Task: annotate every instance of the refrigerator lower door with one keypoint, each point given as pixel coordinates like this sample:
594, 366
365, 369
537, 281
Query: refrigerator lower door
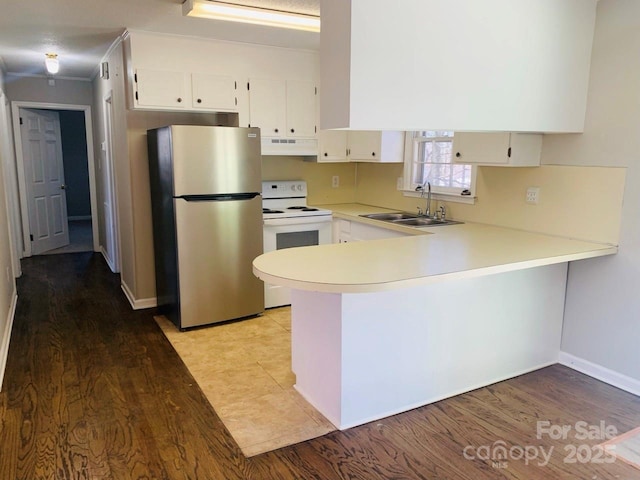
217, 242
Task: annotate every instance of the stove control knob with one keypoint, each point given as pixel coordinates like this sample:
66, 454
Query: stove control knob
293, 188
299, 188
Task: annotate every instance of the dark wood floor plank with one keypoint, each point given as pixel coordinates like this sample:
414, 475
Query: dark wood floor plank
93, 390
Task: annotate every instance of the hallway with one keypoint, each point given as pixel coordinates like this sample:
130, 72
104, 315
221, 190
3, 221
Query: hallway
80, 238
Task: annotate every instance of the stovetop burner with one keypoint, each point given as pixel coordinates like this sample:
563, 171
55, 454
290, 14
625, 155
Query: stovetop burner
286, 201
302, 208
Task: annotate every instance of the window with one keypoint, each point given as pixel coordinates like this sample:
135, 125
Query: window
429, 158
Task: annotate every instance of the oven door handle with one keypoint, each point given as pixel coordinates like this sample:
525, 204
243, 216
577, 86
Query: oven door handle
297, 220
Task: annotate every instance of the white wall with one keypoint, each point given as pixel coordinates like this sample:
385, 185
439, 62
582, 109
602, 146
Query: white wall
7, 282
37, 89
602, 316
119, 207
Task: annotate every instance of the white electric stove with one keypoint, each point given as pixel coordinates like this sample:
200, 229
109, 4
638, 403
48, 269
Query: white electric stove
289, 222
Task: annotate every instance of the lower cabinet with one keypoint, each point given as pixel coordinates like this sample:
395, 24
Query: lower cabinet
349, 231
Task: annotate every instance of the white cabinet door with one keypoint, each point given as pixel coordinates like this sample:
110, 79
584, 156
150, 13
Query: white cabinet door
267, 106
499, 149
374, 146
301, 109
332, 146
364, 145
214, 92
160, 88
362, 232
481, 148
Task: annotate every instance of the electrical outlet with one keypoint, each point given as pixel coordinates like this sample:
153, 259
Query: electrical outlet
533, 195
335, 181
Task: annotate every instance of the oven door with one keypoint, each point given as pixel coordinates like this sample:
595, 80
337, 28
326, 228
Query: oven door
282, 233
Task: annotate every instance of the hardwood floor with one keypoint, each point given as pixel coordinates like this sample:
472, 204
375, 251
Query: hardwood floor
93, 390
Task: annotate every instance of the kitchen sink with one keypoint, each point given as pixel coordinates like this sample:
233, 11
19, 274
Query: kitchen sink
409, 219
390, 217
425, 222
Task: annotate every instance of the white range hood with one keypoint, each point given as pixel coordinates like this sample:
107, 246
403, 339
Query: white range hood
289, 146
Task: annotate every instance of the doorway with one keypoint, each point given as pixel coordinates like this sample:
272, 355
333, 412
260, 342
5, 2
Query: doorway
54, 156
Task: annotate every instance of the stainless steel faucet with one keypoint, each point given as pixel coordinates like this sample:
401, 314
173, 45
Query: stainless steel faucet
427, 184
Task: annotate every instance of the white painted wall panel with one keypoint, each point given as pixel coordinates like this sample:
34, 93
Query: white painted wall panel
511, 65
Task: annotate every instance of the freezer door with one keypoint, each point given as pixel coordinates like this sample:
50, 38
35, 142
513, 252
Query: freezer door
214, 160
217, 242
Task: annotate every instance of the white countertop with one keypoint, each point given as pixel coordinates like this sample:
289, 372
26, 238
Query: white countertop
451, 252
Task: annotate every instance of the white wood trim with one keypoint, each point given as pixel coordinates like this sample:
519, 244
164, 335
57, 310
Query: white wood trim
601, 373
114, 228
444, 197
6, 336
15, 109
138, 304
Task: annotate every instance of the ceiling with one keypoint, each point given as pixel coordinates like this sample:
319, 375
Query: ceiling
81, 31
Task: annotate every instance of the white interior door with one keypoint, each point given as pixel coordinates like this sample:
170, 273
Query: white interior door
44, 177
109, 191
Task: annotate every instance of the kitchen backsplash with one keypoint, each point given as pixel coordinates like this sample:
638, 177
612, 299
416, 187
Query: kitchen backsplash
317, 175
578, 202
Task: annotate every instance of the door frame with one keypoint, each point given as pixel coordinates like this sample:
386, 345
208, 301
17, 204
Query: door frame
114, 228
24, 212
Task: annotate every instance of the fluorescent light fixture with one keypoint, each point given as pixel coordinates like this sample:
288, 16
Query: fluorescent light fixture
51, 63
245, 14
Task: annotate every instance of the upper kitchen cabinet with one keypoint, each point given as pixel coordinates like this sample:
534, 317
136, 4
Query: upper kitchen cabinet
170, 90
211, 75
380, 147
214, 92
497, 149
360, 146
283, 108
332, 146
462, 65
160, 89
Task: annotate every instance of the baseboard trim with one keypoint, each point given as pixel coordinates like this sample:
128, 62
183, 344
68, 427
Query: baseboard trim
6, 336
79, 217
599, 372
138, 304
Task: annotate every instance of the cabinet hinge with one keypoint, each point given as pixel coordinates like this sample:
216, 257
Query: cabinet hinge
315, 129
248, 86
20, 120
136, 95
509, 152
236, 99
135, 77
316, 89
31, 237
235, 85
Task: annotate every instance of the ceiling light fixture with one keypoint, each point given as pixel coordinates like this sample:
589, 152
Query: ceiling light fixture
51, 62
246, 14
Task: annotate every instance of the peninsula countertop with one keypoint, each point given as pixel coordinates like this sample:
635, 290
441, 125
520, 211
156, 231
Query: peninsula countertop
439, 253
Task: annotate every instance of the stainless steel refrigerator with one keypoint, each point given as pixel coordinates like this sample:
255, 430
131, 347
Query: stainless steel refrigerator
207, 222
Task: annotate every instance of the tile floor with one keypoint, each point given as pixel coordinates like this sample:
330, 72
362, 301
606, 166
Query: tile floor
244, 369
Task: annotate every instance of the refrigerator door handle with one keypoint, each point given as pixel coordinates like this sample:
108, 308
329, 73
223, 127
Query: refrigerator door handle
219, 197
